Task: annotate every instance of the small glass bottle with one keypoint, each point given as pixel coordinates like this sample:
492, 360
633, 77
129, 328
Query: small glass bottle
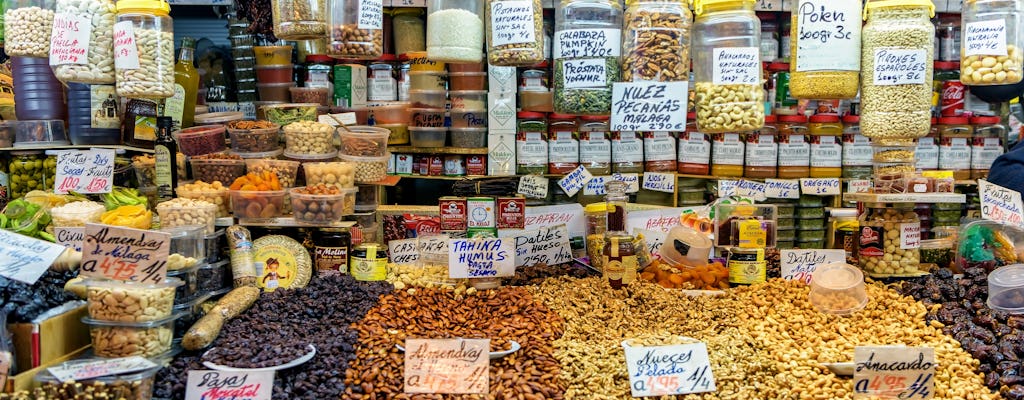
986, 145
727, 151
627, 152
694, 149
955, 136
382, 85
794, 147
531, 144
166, 152
595, 145
769, 37
620, 262
331, 247
597, 225
563, 144
826, 146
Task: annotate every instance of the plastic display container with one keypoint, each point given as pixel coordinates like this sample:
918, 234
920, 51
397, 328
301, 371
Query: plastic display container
980, 65
115, 339
110, 300
322, 208
1006, 289
148, 73
253, 204
172, 216
427, 80
467, 81
469, 119
275, 91
668, 22
254, 140
190, 312
274, 73
396, 112
131, 386
367, 198
428, 98
199, 140
286, 113
317, 95
356, 30
222, 118
298, 20
468, 137
838, 288
46, 133
336, 173
468, 99
274, 55
427, 117
727, 29
455, 31
826, 68
594, 17
216, 196
428, 137
188, 246
368, 169
225, 171
76, 215
364, 141
27, 27
216, 276
190, 287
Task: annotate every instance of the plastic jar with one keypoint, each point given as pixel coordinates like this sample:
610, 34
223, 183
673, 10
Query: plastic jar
825, 42
144, 49
897, 50
595, 145
659, 152
627, 153
794, 147
27, 27
586, 50
656, 41
986, 145
694, 150
950, 93
926, 156
299, 19
987, 58
409, 30
25, 172
856, 150
727, 152
955, 136
889, 243
455, 31
727, 29
96, 62
356, 29
826, 146
563, 144
762, 151
382, 85
597, 224
531, 143
515, 34
769, 37
39, 95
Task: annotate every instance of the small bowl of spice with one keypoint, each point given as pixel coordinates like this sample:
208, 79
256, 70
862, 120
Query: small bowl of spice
199, 140
254, 136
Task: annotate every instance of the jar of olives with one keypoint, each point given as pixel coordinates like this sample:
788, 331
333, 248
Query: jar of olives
26, 172
49, 170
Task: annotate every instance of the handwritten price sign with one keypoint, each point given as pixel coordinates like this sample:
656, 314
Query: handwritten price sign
669, 370
799, 265
84, 171
125, 254
894, 372
229, 385
25, 259
105, 367
1000, 204
548, 245
452, 366
481, 258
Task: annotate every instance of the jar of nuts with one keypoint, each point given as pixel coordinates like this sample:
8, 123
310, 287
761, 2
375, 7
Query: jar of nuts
299, 19
357, 29
515, 34
368, 169
27, 27
126, 339
97, 65
144, 50
987, 58
185, 212
890, 240
309, 137
656, 41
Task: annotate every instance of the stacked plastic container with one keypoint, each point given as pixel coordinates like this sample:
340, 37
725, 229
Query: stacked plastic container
39, 104
245, 61
274, 73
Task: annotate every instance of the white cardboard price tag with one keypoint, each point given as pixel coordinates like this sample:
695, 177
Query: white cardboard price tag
727, 187
736, 66
899, 67
481, 258
820, 186
125, 254
70, 237
800, 264
98, 368
894, 372
669, 370
69, 40
126, 50
782, 188
229, 385
429, 370
1000, 204
985, 38
25, 259
858, 185
660, 182
752, 189
84, 171
549, 245
404, 251
574, 181
649, 106
512, 22
533, 186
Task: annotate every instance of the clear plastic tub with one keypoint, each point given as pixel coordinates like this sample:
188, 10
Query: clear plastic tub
286, 170
310, 95
322, 208
190, 287
255, 140
274, 55
341, 174
254, 204
427, 80
216, 276
172, 215
427, 117
309, 138
368, 169
1006, 289
199, 140
838, 288
223, 118
223, 170
190, 312
263, 154
428, 98
365, 141
213, 244
126, 339
468, 99
131, 386
76, 214
468, 137
275, 91
310, 158
469, 118
121, 301
399, 133
428, 137
188, 247
286, 113
396, 112
367, 198
215, 196
39, 133
467, 81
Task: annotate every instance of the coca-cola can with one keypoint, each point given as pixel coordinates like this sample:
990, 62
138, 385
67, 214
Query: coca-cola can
952, 100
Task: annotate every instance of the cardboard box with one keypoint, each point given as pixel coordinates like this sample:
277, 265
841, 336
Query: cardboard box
26, 380
501, 112
39, 344
502, 80
350, 85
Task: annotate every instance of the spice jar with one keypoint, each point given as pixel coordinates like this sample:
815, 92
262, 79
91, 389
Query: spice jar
890, 240
319, 72
986, 145
659, 152
369, 262
897, 61
826, 146
762, 151
357, 29
746, 266
597, 224
455, 31
25, 172
794, 147
144, 49
926, 156
727, 65
382, 85
955, 136
595, 145
88, 62
825, 42
515, 34
948, 90
627, 153
991, 53
656, 41
694, 149
299, 19
563, 144
843, 231
409, 30
856, 150
27, 27
620, 256
586, 49
531, 143
727, 152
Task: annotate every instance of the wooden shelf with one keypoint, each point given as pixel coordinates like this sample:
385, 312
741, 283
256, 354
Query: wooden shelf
906, 197
438, 150
73, 147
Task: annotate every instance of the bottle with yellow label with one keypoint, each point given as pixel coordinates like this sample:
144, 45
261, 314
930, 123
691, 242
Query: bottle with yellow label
619, 256
182, 106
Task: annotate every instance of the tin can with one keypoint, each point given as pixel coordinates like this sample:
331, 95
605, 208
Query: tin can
476, 165
403, 164
421, 164
369, 262
953, 96
454, 165
453, 213
747, 266
511, 213
435, 166
481, 212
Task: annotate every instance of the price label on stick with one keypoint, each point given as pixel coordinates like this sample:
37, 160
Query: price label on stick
125, 254
548, 245
574, 181
84, 171
649, 106
533, 186
451, 366
799, 265
403, 251
894, 372
25, 259
481, 258
229, 385
669, 370
1000, 204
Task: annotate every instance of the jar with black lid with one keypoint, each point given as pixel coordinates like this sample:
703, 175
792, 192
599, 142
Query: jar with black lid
331, 248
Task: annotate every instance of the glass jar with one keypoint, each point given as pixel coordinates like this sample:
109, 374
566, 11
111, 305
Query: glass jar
897, 60
825, 41
890, 240
727, 65
826, 146
627, 152
299, 19
769, 37
659, 152
727, 151
656, 41
762, 151
89, 62
856, 150
586, 51
949, 93
563, 144
595, 145
597, 224
357, 29
382, 84
25, 173
694, 150
990, 53
926, 156
843, 231
331, 247
948, 36
27, 27
531, 143
455, 31
515, 34
955, 136
409, 30
319, 70
794, 147
369, 262
49, 170
144, 49
987, 144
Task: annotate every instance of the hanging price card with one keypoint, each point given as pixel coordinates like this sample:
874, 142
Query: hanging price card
899, 67
660, 182
452, 366
481, 258
84, 171
782, 188
533, 186
668, 370
736, 66
125, 254
727, 187
894, 372
649, 106
1000, 204
512, 22
126, 50
548, 245
575, 180
752, 189
820, 186
69, 39
70, 237
229, 385
799, 265
985, 38
25, 259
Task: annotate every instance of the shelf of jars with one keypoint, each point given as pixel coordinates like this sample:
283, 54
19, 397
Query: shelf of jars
84, 146
906, 197
436, 150
290, 222
945, 6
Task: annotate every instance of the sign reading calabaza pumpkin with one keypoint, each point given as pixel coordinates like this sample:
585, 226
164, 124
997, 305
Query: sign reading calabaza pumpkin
125, 254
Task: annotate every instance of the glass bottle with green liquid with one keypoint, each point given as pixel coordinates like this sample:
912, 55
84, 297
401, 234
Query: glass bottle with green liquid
182, 106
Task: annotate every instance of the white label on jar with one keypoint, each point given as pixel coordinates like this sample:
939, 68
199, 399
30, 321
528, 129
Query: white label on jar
856, 150
69, 40
769, 48
627, 149
900, 67
826, 151
736, 66
595, 149
694, 148
512, 22
926, 156
659, 146
728, 149
984, 152
371, 15
532, 151
318, 79
794, 151
985, 38
126, 52
382, 88
954, 154
910, 235
573, 43
582, 74
762, 151
828, 35
564, 148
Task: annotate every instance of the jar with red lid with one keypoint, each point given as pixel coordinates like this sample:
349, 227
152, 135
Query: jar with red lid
319, 72
826, 146
595, 144
659, 152
926, 155
694, 149
794, 147
563, 144
987, 144
762, 152
955, 134
950, 91
856, 150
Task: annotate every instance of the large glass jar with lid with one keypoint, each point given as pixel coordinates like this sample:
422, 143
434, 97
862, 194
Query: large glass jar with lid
25, 172
889, 240
515, 32
69, 63
727, 66
990, 53
409, 30
455, 31
27, 27
144, 49
986, 145
656, 41
897, 56
299, 19
586, 50
825, 45
357, 29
